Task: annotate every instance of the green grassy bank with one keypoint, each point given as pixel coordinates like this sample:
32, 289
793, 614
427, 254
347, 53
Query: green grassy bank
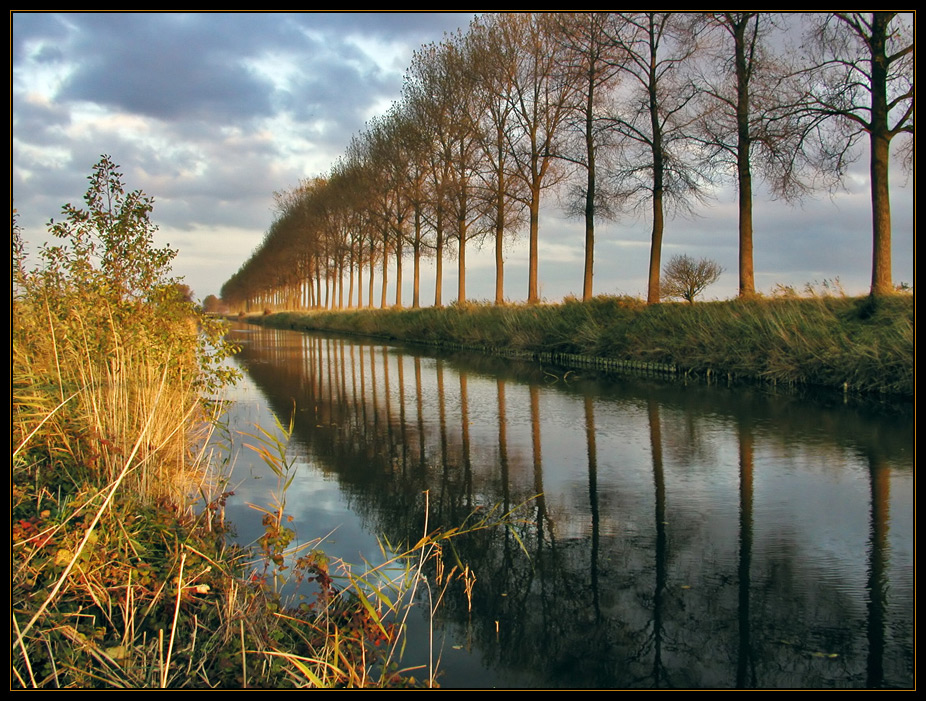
856, 344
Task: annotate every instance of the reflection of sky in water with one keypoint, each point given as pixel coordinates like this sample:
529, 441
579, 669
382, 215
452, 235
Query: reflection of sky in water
809, 512
318, 506
322, 518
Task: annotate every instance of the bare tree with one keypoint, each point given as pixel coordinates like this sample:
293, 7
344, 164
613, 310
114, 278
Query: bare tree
427, 93
491, 60
442, 88
656, 120
389, 157
686, 278
592, 61
748, 120
862, 78
539, 99
414, 141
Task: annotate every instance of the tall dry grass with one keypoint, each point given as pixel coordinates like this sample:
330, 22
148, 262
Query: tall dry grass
89, 396
106, 425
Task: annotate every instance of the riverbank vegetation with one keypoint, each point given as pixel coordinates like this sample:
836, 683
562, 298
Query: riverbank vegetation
856, 344
121, 573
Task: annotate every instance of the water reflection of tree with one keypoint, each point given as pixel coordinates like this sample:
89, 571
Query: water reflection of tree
745, 662
631, 606
592, 450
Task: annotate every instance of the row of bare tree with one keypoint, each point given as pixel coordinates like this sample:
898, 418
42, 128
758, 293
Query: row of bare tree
620, 111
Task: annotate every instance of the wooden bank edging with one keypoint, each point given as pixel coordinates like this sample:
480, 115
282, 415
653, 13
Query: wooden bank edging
573, 360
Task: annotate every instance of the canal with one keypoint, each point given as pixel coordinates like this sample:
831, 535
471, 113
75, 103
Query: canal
663, 535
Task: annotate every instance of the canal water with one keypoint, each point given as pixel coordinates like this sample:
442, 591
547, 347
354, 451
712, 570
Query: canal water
662, 534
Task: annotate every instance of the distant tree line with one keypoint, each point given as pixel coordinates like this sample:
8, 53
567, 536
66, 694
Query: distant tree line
643, 111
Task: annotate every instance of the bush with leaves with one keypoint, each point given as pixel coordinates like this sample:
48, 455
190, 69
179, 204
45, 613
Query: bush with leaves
105, 342
110, 364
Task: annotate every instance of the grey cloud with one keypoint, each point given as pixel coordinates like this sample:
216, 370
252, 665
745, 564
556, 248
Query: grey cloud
169, 87
171, 66
339, 93
29, 26
417, 27
41, 122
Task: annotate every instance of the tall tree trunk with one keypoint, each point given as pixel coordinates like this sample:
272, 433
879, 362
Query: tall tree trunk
499, 264
439, 267
385, 281
590, 190
372, 275
398, 270
350, 268
359, 275
881, 274
416, 249
655, 255
533, 287
461, 262
500, 218
747, 284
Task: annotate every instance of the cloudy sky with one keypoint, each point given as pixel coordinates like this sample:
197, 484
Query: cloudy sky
212, 113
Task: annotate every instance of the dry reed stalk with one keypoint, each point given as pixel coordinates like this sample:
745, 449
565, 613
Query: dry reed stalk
47, 417
54, 342
25, 654
173, 628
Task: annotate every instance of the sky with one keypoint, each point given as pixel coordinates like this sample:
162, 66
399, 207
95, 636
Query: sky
210, 114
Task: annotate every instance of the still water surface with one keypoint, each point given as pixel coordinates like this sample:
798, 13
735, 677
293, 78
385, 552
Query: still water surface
672, 535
